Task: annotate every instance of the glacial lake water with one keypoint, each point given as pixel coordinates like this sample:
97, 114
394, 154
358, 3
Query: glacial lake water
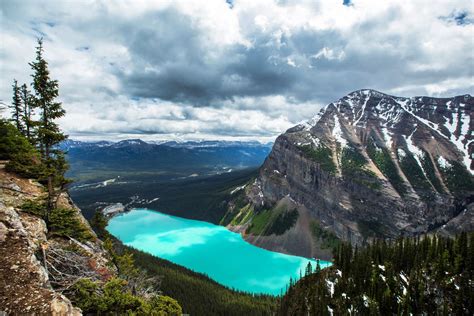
210, 249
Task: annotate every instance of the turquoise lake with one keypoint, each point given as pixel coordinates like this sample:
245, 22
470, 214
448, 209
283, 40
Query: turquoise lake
210, 249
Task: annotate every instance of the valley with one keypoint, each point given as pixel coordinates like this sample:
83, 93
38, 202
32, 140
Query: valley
175, 178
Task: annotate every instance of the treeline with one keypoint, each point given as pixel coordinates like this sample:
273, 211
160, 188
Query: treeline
196, 293
411, 276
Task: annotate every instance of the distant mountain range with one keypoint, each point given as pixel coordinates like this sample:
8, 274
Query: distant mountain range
70, 143
368, 165
167, 157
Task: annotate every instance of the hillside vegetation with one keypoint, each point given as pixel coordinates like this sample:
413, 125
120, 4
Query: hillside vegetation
428, 275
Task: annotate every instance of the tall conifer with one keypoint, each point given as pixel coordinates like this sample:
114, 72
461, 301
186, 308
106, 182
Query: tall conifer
49, 134
28, 108
16, 107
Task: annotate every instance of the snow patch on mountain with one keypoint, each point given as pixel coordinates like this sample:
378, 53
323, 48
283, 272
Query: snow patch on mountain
387, 137
337, 132
417, 152
457, 140
443, 162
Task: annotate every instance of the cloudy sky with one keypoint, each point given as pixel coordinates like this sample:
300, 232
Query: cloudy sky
216, 69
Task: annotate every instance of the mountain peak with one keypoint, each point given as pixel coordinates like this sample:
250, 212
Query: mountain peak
367, 92
393, 120
374, 165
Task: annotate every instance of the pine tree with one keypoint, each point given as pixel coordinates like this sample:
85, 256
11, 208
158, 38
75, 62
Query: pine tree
28, 108
309, 269
318, 267
49, 134
16, 107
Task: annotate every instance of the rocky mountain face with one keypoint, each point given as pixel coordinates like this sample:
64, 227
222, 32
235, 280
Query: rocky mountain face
369, 165
35, 266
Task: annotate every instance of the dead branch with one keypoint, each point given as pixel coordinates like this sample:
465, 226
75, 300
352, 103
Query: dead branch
66, 267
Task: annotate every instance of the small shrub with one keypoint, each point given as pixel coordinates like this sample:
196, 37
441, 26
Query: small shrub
114, 298
164, 305
34, 207
65, 222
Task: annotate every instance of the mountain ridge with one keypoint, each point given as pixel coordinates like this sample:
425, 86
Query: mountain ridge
369, 165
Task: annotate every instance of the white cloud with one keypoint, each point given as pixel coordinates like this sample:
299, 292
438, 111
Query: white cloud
200, 69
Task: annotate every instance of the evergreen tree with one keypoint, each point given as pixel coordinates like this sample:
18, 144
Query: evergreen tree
309, 269
28, 108
429, 275
49, 134
16, 107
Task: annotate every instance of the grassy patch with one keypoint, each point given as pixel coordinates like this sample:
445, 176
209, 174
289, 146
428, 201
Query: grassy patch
274, 221
322, 155
243, 215
240, 203
260, 222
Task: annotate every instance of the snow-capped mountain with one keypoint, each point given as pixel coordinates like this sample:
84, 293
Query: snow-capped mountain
370, 165
394, 118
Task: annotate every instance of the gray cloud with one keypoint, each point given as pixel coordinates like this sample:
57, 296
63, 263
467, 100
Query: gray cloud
218, 69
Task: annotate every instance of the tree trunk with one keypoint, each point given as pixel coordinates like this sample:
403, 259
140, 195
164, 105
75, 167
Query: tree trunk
50, 185
50, 197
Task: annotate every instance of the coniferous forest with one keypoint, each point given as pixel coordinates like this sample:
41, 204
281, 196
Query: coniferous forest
428, 275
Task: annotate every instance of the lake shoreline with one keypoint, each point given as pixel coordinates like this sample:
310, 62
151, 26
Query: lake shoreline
210, 249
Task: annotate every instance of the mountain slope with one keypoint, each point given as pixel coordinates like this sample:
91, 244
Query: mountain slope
369, 165
27, 246
418, 276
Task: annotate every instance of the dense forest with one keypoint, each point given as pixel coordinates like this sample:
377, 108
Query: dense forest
429, 275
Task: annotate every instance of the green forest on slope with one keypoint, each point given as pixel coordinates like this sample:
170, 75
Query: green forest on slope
410, 276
